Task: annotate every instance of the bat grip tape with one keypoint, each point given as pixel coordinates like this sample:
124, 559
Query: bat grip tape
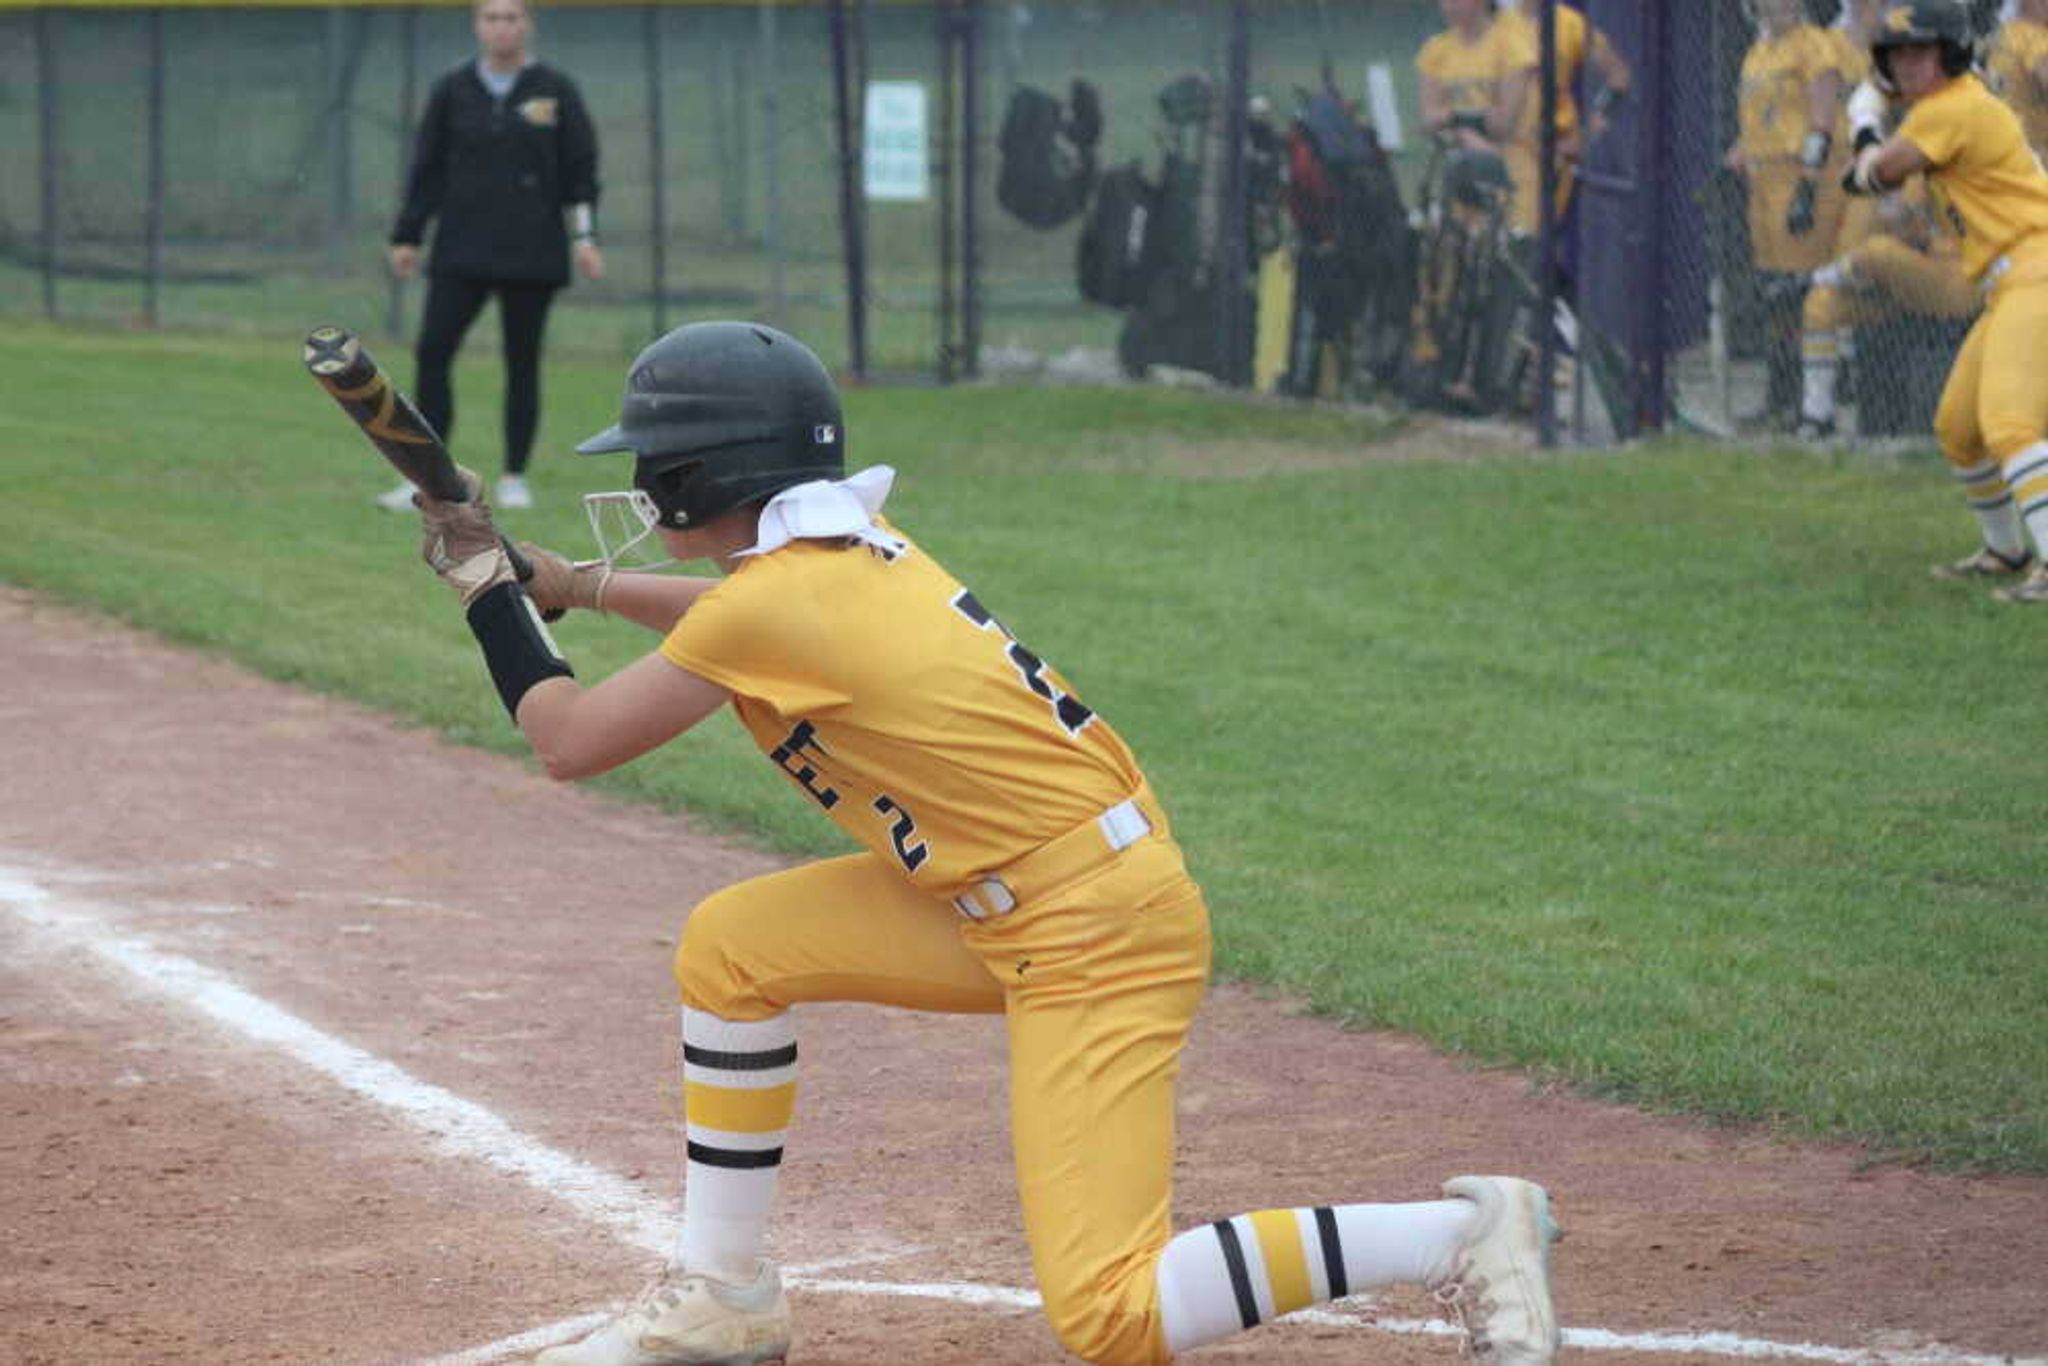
517, 647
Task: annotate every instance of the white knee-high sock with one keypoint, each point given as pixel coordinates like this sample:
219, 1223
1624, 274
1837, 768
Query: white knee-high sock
2026, 474
739, 1092
1820, 365
1227, 1276
1990, 498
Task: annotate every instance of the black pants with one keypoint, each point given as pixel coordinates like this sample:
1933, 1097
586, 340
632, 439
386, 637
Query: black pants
452, 305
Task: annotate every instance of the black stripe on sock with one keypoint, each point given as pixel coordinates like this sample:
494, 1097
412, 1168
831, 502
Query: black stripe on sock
737, 1158
1240, 1277
1333, 1253
763, 1061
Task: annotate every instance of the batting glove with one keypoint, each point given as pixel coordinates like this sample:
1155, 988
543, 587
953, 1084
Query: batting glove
557, 584
459, 542
1799, 217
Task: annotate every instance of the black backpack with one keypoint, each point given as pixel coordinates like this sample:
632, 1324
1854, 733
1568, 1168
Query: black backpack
1113, 260
1047, 154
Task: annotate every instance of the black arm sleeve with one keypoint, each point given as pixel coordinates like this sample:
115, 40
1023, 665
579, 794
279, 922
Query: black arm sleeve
426, 181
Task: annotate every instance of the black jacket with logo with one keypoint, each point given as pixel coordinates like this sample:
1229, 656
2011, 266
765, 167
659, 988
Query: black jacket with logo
497, 173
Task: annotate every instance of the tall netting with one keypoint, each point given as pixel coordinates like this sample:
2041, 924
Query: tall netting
1781, 304
1237, 190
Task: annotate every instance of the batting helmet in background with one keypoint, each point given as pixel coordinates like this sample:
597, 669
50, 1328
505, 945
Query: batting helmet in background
1946, 22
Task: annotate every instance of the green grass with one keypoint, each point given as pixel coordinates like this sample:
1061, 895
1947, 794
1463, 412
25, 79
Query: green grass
1667, 773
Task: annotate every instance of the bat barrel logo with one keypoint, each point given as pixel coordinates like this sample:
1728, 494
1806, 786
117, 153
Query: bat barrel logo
330, 350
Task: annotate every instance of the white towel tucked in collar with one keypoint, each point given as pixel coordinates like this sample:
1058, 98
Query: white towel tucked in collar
829, 508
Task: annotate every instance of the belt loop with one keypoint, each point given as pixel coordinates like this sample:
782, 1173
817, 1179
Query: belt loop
1123, 825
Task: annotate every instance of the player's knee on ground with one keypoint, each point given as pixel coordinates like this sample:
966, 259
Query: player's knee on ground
711, 960
1107, 1316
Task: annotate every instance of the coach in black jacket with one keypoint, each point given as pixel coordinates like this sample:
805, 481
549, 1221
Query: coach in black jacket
506, 161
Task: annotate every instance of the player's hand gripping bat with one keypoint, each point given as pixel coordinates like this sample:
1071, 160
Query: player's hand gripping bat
347, 371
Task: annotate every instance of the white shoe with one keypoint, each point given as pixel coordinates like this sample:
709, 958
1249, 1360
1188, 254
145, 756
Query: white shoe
686, 1320
1497, 1284
397, 500
512, 492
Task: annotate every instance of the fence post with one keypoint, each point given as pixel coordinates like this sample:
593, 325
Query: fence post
47, 138
1546, 226
153, 232
942, 172
1652, 412
851, 238
408, 80
657, 161
771, 189
970, 189
1233, 261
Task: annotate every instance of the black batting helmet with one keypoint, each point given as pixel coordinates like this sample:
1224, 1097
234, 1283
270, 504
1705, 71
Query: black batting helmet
720, 414
1945, 22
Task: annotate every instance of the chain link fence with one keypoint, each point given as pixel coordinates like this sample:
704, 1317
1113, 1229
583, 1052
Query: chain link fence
1240, 191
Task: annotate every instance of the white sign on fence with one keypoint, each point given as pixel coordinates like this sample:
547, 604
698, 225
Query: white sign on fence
1386, 110
893, 161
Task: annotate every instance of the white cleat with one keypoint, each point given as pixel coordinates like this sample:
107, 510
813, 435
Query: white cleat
397, 500
690, 1320
512, 492
1497, 1284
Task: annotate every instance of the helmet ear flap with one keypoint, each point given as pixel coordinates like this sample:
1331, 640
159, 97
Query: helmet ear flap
668, 483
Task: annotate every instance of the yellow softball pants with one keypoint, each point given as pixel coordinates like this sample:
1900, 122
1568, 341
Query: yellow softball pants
1099, 980
1904, 281
1996, 399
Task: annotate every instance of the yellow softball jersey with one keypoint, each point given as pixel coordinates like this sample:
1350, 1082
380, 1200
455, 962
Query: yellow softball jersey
1984, 178
902, 708
2020, 50
1471, 75
1771, 101
1571, 56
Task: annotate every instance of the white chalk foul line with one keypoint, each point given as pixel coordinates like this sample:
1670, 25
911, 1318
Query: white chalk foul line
464, 1129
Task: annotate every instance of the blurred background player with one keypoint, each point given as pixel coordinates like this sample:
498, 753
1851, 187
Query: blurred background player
506, 161
1992, 422
1578, 43
1789, 110
2016, 67
1475, 80
1895, 259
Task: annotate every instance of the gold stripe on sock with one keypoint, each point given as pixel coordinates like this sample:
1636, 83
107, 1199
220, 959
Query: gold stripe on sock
1286, 1265
740, 1111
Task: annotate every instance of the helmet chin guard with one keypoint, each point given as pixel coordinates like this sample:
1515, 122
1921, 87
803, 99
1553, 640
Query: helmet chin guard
623, 524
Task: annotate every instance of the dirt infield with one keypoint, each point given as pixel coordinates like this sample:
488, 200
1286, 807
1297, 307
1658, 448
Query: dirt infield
324, 1040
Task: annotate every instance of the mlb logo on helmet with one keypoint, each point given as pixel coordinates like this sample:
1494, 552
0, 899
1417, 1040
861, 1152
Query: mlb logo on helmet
824, 434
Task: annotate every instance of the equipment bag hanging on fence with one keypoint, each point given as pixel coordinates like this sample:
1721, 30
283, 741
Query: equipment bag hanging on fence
1048, 154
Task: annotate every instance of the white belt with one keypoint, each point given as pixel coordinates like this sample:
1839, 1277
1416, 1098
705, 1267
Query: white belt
1120, 827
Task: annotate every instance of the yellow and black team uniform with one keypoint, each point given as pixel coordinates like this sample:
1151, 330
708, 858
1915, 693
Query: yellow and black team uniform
2014, 65
981, 789
1893, 257
1772, 113
1773, 121
1988, 184
1471, 75
1525, 143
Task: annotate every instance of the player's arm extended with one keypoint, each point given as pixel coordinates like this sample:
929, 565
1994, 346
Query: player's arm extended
656, 601
578, 732
1884, 166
